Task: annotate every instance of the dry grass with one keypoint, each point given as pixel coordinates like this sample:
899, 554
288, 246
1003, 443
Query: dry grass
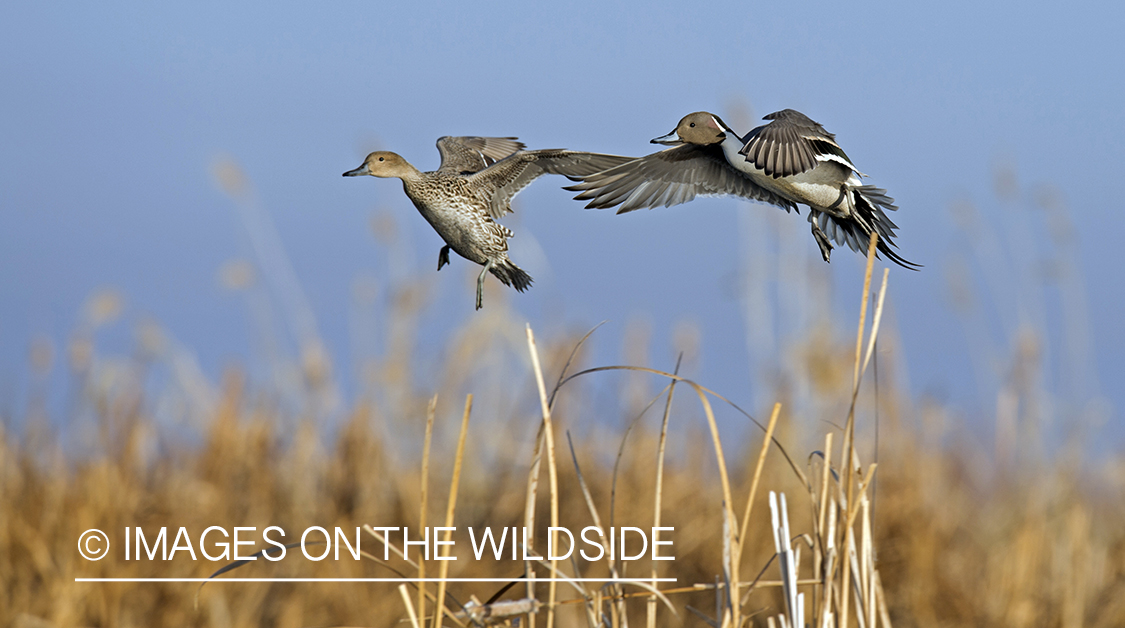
946, 541
941, 532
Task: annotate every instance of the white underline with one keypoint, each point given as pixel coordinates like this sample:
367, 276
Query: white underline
622, 580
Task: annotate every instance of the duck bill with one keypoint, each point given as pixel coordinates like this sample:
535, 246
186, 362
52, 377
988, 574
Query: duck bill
668, 140
360, 171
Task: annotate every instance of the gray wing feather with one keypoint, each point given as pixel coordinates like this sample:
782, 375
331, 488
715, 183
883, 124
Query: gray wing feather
791, 144
466, 155
671, 177
500, 183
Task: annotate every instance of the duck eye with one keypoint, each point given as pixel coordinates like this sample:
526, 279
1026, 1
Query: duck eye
692, 125
380, 159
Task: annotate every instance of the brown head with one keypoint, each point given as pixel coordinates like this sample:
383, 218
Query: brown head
383, 164
696, 128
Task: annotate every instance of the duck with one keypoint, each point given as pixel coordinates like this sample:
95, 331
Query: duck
790, 161
473, 186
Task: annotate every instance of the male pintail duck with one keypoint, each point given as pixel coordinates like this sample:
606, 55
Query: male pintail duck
473, 186
791, 160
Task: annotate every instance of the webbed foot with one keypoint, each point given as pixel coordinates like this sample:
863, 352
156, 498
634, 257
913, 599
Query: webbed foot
443, 257
822, 242
480, 284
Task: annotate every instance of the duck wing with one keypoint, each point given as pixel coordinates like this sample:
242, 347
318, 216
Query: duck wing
791, 144
500, 182
671, 177
466, 155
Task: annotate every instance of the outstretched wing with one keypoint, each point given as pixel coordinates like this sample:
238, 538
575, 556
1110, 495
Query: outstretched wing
791, 144
670, 177
500, 182
466, 155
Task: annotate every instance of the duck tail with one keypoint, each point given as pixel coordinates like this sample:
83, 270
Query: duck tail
511, 275
870, 207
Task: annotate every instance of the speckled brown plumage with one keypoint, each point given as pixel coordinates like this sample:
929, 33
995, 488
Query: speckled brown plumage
474, 185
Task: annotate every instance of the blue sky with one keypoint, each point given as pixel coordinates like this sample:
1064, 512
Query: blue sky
113, 115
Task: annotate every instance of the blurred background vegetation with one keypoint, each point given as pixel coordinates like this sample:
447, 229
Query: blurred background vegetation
1019, 524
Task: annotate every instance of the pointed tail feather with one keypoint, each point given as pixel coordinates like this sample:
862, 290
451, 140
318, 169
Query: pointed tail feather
894, 257
871, 204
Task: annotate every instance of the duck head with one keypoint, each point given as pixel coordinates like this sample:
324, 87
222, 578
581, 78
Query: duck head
382, 164
696, 128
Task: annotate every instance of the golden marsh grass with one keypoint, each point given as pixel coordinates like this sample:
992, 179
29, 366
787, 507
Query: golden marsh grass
941, 531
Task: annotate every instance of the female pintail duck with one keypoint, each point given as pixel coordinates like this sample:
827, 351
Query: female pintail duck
791, 160
473, 186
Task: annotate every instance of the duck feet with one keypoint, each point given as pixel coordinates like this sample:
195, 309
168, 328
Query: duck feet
443, 257
822, 241
480, 284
